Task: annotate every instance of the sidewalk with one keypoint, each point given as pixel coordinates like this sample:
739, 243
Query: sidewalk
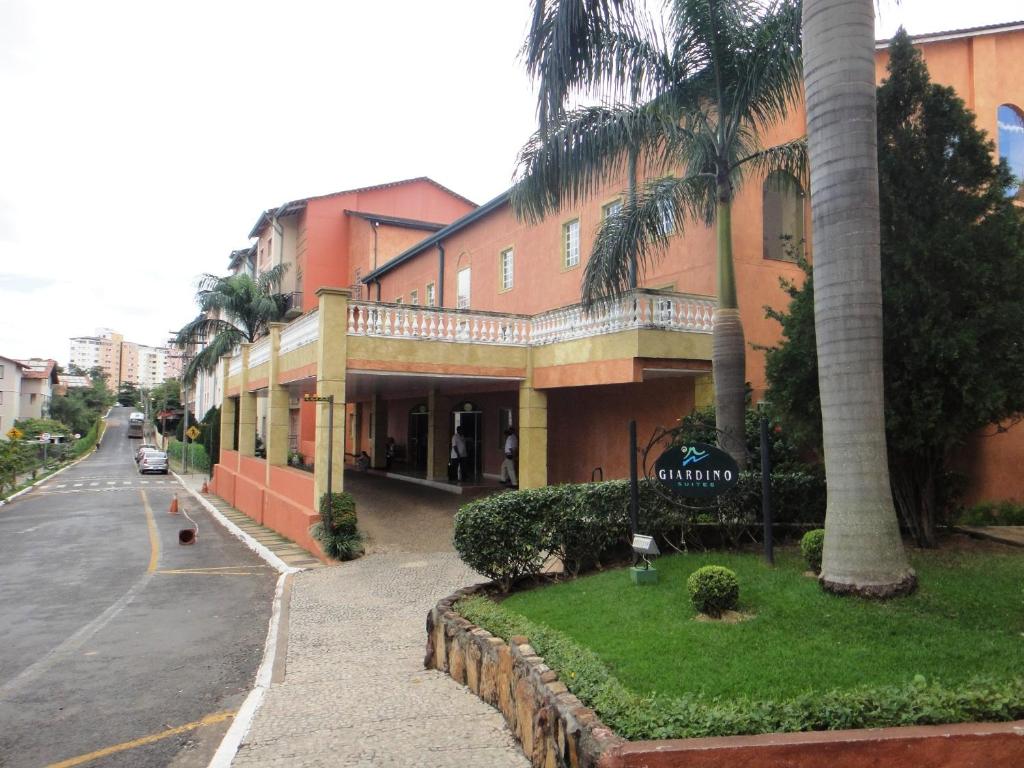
352, 690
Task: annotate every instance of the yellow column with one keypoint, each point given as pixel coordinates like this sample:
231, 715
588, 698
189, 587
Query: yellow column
439, 436
277, 406
533, 433
246, 410
703, 391
228, 409
332, 346
379, 432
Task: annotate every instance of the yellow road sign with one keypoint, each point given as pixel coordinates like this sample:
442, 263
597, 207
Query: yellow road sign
15, 434
193, 433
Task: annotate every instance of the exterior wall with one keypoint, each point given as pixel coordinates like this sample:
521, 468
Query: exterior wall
367, 255
10, 394
577, 445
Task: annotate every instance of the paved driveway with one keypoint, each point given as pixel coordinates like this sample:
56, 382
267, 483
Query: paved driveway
399, 516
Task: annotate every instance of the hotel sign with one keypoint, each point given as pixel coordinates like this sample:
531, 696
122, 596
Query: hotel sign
696, 469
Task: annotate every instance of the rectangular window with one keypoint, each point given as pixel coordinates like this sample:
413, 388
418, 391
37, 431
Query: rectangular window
414, 298
1, 371
668, 218
571, 243
32, 398
431, 298
462, 289
611, 208
507, 268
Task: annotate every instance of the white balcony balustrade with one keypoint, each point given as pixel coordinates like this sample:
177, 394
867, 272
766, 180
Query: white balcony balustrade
642, 309
401, 321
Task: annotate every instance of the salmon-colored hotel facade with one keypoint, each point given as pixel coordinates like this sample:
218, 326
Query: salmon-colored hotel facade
418, 312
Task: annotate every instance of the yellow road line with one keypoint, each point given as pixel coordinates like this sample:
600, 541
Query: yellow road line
154, 538
214, 568
197, 572
219, 717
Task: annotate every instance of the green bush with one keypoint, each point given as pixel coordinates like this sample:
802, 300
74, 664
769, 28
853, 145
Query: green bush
811, 547
653, 716
993, 513
503, 537
342, 540
197, 456
713, 590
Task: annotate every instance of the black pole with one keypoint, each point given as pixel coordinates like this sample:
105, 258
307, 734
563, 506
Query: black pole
634, 485
330, 462
766, 493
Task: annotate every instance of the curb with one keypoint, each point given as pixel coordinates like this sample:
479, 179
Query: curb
242, 722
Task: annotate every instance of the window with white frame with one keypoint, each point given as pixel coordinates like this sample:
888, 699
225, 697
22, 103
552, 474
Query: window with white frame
414, 298
462, 289
668, 218
507, 268
431, 297
611, 208
571, 243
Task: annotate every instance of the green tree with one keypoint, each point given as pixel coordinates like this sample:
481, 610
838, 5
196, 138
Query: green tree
233, 310
952, 248
128, 394
688, 98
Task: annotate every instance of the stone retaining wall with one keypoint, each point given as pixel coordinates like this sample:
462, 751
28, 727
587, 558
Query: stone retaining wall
553, 726
556, 729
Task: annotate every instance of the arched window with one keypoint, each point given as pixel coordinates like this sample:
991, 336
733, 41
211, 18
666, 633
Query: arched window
783, 207
1011, 144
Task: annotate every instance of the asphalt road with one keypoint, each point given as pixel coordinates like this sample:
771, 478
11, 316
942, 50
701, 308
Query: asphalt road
111, 632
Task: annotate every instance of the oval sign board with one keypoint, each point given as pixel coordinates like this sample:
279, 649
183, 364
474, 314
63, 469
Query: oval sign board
696, 469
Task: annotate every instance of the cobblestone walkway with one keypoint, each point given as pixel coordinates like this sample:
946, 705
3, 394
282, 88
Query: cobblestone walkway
355, 692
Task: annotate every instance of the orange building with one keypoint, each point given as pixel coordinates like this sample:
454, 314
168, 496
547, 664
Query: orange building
421, 313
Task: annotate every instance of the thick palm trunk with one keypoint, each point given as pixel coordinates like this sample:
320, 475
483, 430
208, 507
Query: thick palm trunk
863, 550
728, 353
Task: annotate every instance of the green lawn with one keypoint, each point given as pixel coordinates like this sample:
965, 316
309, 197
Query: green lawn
966, 620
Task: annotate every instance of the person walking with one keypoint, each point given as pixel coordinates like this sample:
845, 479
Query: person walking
389, 452
458, 455
508, 466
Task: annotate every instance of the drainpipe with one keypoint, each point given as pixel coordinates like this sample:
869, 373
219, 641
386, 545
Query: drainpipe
374, 225
440, 275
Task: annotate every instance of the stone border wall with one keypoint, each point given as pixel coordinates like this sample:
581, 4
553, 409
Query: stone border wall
553, 726
557, 730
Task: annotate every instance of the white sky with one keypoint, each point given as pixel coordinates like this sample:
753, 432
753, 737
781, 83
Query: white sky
139, 141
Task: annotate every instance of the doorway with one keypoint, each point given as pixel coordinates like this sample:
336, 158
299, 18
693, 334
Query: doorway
470, 418
417, 441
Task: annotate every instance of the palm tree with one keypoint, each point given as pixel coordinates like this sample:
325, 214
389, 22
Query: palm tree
688, 98
233, 310
863, 550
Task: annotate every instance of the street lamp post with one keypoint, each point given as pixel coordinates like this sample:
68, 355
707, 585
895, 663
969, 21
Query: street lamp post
327, 516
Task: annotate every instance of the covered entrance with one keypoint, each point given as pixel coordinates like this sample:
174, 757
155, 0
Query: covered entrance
417, 438
469, 418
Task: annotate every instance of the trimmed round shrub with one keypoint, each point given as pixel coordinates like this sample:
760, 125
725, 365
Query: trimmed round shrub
811, 546
713, 589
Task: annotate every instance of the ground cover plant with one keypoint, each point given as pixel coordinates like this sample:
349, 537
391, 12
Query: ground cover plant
804, 660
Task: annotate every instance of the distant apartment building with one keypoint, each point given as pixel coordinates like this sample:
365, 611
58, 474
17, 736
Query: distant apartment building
38, 382
124, 361
10, 393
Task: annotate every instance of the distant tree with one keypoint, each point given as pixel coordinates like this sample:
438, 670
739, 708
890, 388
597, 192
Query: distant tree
233, 309
71, 409
952, 287
128, 394
211, 435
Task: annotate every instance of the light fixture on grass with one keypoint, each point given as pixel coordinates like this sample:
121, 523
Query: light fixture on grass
646, 547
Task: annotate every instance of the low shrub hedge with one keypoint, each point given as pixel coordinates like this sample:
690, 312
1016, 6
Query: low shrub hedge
508, 535
197, 456
635, 716
993, 513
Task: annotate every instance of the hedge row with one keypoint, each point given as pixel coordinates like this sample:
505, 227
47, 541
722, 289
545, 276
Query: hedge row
919, 702
197, 458
508, 535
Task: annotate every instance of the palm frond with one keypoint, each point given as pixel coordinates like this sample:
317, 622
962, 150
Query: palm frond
579, 152
788, 159
637, 231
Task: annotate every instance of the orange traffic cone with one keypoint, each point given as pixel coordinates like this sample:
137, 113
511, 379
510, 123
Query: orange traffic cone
205, 488
174, 505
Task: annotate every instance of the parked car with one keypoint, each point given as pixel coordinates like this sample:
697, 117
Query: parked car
142, 448
153, 461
